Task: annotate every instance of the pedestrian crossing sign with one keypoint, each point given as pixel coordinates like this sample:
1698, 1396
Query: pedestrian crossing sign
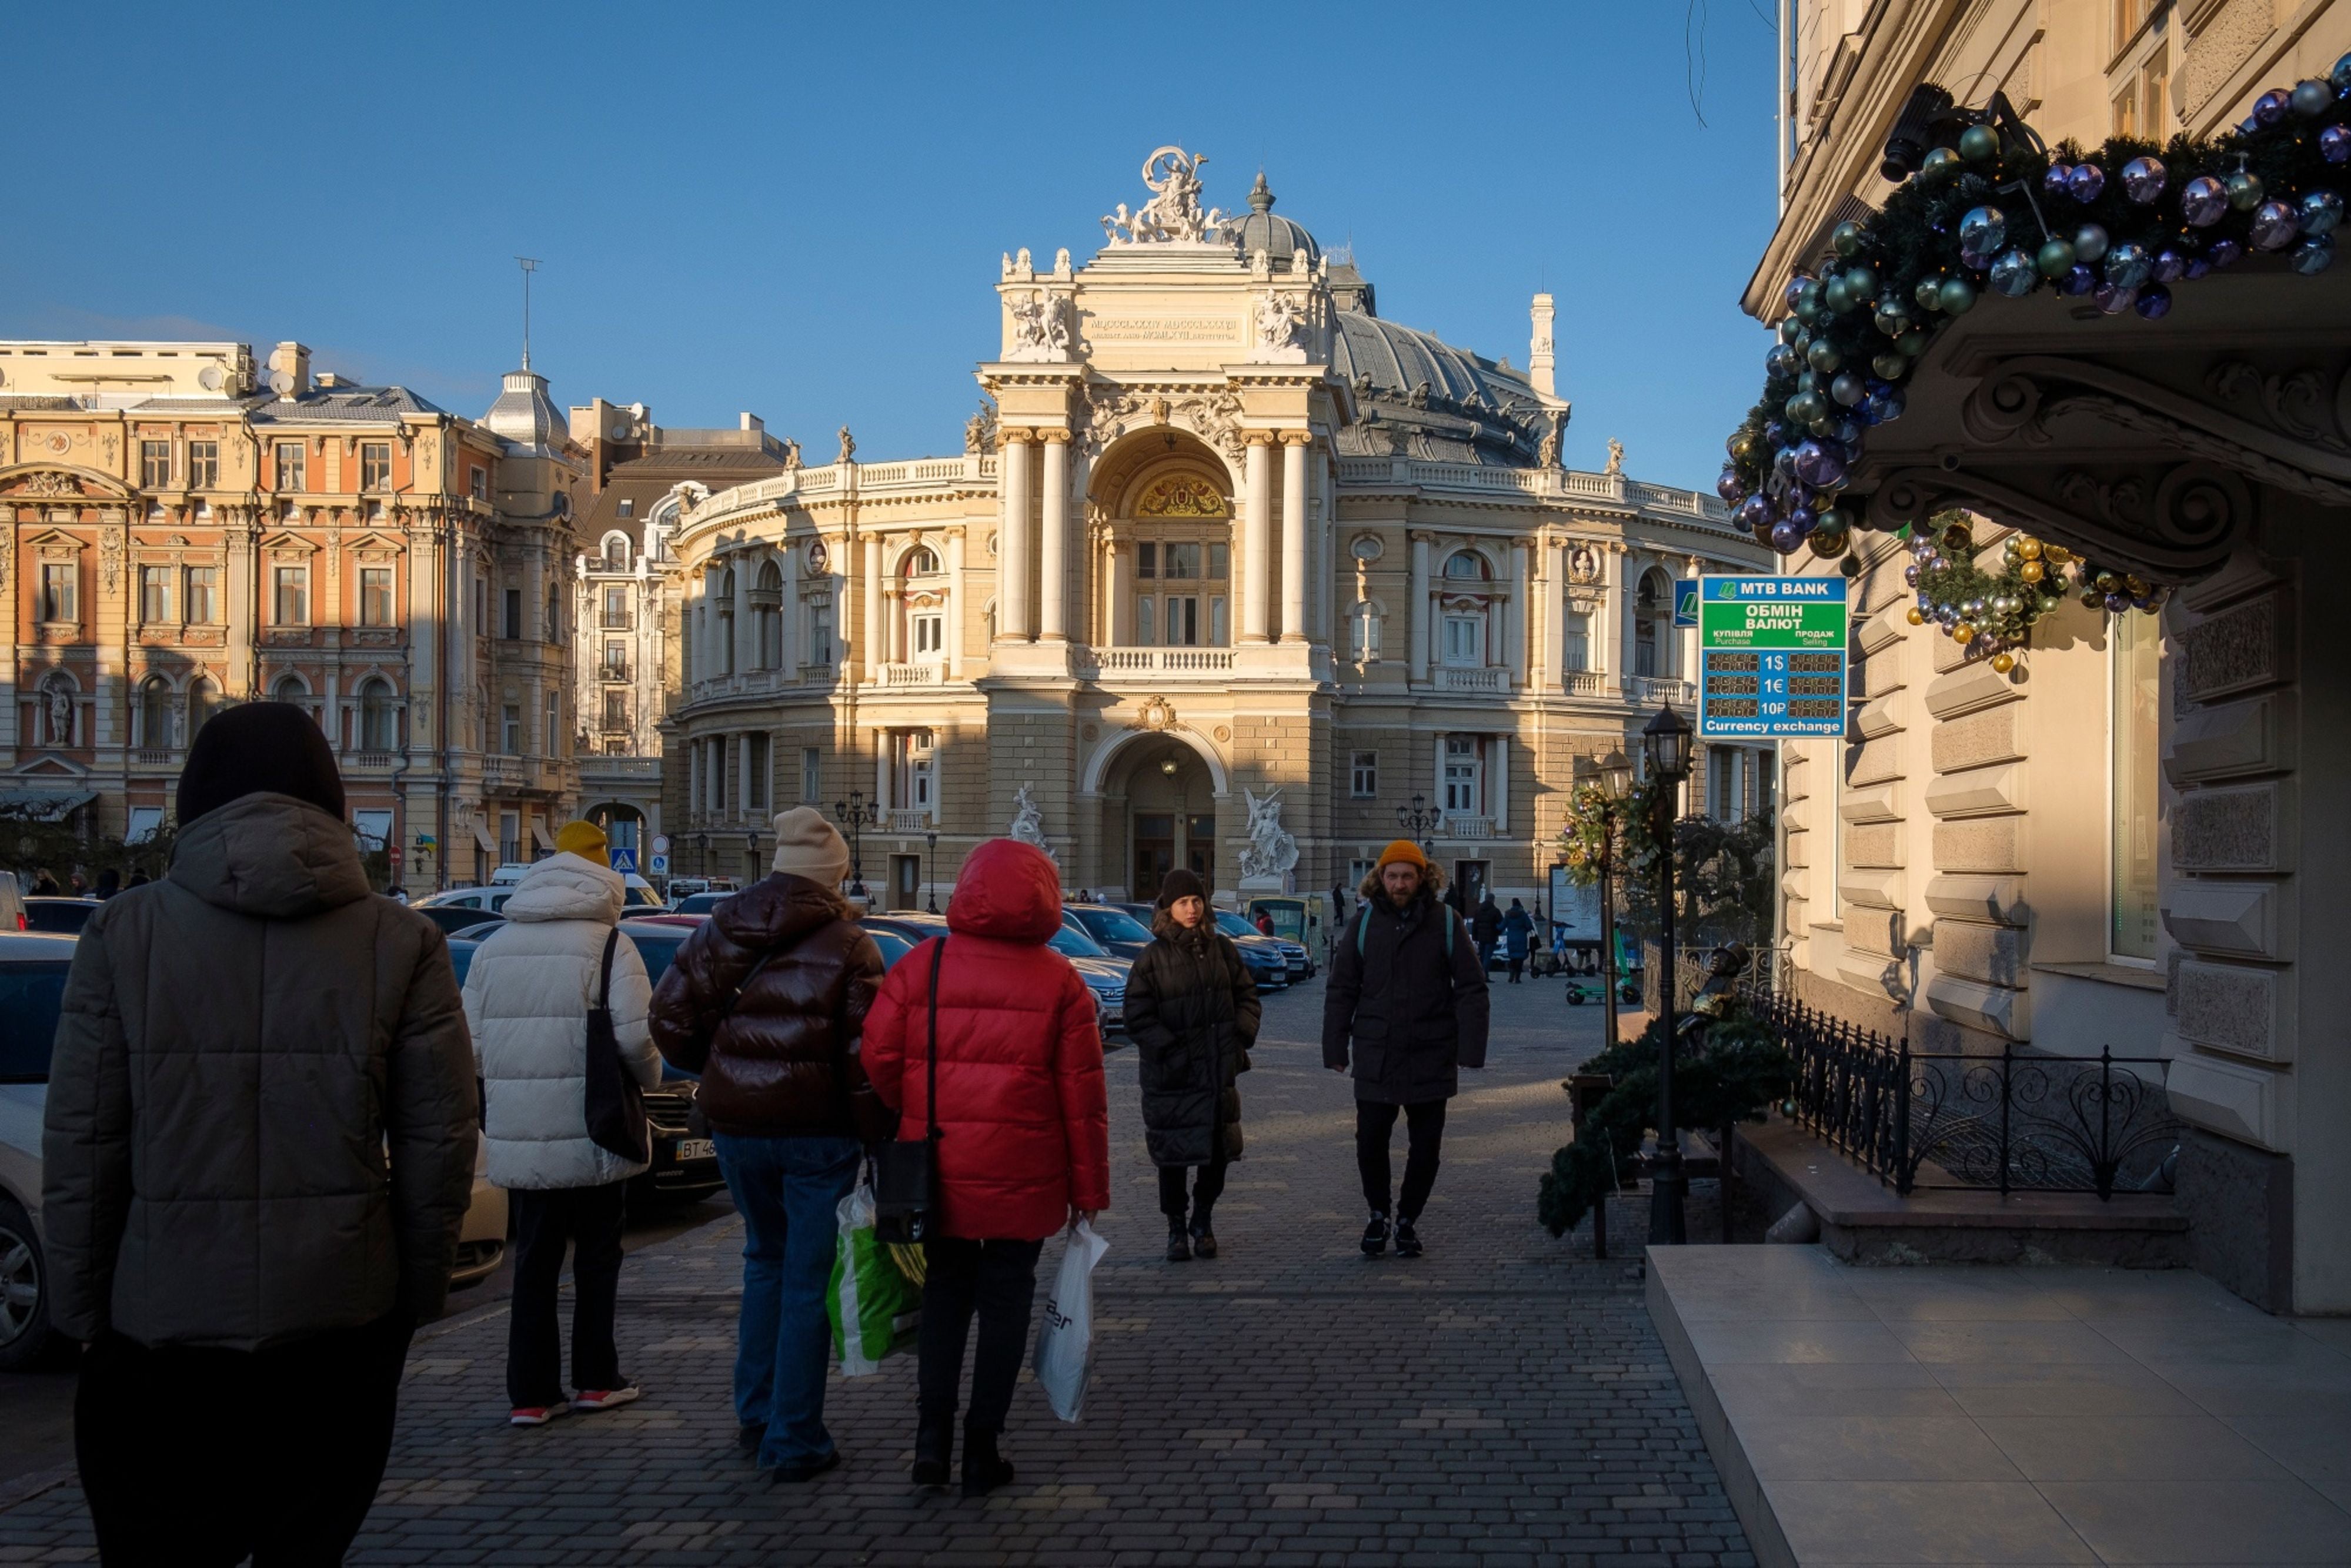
625, 860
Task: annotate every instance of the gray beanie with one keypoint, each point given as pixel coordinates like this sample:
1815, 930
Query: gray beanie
807, 845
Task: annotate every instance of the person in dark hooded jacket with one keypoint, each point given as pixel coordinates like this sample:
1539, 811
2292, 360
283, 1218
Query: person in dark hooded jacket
1407, 1002
1192, 1012
767, 1001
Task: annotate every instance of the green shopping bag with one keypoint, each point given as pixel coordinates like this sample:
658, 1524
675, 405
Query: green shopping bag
876, 1289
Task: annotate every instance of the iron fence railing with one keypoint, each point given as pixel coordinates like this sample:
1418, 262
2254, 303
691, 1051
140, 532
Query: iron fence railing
2005, 1121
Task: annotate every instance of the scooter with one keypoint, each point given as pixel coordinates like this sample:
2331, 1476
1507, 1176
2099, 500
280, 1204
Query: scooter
1592, 990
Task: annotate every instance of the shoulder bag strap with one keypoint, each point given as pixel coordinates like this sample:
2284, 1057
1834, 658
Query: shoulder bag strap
931, 1056
744, 984
604, 978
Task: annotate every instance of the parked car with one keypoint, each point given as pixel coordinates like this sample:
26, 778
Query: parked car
454, 918
11, 903
685, 1158
681, 888
1297, 965
1113, 927
33, 968
700, 903
1104, 974
59, 915
1289, 917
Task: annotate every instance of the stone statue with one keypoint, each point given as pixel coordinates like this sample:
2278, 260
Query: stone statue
1582, 564
979, 430
1547, 450
1419, 396
1027, 822
1173, 213
1272, 850
1278, 330
848, 446
1040, 327
60, 707
791, 454
1616, 457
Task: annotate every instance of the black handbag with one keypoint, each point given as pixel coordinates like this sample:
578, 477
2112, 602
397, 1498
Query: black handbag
616, 1102
907, 1170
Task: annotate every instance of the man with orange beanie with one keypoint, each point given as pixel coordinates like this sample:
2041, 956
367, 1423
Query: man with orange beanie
1407, 1001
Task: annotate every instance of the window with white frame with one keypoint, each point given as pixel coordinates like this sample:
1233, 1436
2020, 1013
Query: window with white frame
912, 759
1577, 638
155, 594
375, 596
203, 465
375, 464
2137, 799
290, 600
1188, 606
1364, 775
929, 633
155, 464
1464, 774
819, 630
204, 596
288, 458
1364, 633
552, 733
811, 774
61, 596
510, 729
1464, 639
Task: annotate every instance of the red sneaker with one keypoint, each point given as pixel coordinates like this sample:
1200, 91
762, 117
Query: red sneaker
605, 1398
535, 1415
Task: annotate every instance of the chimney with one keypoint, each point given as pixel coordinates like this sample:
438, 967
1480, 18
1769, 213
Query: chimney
752, 422
1538, 355
294, 360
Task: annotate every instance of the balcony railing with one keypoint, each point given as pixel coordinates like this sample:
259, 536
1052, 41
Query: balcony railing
1589, 684
929, 672
1658, 689
617, 620
613, 670
372, 761
152, 755
1462, 825
613, 724
1489, 678
1096, 662
915, 821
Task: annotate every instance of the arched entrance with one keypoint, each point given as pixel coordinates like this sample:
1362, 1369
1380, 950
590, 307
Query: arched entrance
1166, 575
1159, 811
623, 828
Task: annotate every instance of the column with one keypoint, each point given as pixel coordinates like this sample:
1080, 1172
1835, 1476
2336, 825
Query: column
743, 772
747, 626
1326, 538
787, 613
1498, 782
1514, 615
1119, 624
1053, 558
870, 636
331, 717
1294, 527
1551, 668
1012, 541
1620, 606
1417, 609
957, 591
693, 780
1257, 509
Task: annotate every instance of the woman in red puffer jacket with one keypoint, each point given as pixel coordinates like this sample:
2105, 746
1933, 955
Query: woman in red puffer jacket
1024, 1126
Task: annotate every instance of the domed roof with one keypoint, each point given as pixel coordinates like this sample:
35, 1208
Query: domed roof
1451, 405
1278, 237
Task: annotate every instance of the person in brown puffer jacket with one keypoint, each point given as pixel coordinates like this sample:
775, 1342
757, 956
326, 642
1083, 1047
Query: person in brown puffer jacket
766, 1001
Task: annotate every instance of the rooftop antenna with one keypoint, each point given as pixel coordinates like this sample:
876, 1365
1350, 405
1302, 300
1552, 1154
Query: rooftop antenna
530, 264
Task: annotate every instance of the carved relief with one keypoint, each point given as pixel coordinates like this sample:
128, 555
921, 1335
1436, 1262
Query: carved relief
1279, 335
48, 482
1040, 328
1158, 715
1181, 495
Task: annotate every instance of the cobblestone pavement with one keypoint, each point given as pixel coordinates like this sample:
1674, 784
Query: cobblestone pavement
1501, 1401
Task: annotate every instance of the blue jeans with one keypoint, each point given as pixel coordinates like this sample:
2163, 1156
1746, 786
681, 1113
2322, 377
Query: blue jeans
787, 1190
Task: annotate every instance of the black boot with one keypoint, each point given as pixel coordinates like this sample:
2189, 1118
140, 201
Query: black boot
1204, 1240
1407, 1241
1376, 1236
984, 1469
1179, 1244
934, 1449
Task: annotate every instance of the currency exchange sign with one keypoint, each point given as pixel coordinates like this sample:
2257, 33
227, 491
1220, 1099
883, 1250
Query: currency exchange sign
1772, 657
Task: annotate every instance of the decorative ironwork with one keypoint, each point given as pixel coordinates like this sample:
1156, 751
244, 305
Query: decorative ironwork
2013, 1122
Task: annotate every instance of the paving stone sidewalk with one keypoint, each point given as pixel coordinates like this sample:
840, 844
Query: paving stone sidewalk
1503, 1401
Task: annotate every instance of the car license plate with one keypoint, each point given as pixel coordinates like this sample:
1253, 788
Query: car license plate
687, 1149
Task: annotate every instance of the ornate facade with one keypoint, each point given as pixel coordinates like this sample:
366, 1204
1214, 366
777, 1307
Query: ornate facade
1229, 570
185, 530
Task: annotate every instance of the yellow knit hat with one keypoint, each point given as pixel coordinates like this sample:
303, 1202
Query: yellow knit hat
585, 840
1403, 852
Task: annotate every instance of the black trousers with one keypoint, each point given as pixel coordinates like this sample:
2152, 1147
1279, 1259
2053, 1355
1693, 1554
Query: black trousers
998, 1280
589, 1218
1518, 966
194, 1457
1424, 1132
1207, 1185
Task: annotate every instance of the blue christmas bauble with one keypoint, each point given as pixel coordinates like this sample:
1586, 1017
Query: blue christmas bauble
2245, 190
1728, 486
1780, 361
2339, 78
1794, 293
1846, 431
2089, 243
2052, 181
2085, 181
2335, 143
2153, 302
2114, 301
1774, 434
2312, 98
1910, 574
2314, 254
1886, 407
2321, 211
1753, 511
2270, 107
2168, 265
1786, 536
2129, 266
2196, 268
2012, 273
2275, 226
2078, 280
2224, 253
2202, 200
1983, 229
2143, 179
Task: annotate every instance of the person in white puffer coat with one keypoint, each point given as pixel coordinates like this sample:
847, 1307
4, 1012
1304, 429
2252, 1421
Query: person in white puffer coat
527, 999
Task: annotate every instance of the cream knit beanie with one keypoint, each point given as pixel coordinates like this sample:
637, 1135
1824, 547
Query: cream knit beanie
807, 845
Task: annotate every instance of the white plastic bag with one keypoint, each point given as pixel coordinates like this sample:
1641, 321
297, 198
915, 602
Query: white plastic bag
1065, 1338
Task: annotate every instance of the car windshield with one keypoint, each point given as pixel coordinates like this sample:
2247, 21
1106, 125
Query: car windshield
1232, 924
1073, 942
702, 903
640, 898
29, 997
66, 915
1114, 926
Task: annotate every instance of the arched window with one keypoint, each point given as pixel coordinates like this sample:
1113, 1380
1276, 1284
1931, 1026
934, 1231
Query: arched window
1653, 629
1467, 566
727, 623
203, 701
289, 688
768, 611
921, 561
616, 552
155, 713
378, 716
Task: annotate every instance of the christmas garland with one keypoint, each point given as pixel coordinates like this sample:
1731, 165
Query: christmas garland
1583, 836
1998, 212
1989, 615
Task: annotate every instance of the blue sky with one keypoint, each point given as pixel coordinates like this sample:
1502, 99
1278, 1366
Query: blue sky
800, 211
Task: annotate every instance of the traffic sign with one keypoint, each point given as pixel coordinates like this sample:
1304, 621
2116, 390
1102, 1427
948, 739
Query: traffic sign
660, 843
658, 865
1772, 657
625, 860
1686, 601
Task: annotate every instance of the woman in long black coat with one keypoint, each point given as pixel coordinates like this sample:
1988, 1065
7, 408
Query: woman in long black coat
1192, 1012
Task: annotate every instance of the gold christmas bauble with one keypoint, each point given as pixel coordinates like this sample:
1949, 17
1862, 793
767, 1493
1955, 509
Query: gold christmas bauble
2003, 662
2029, 548
1918, 616
2032, 570
1963, 633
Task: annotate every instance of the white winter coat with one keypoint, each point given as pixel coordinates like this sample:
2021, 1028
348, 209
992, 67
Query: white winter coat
526, 1000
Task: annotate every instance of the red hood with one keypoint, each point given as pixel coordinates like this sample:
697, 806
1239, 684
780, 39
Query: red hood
1006, 890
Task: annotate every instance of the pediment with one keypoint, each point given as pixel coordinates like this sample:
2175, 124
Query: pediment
48, 770
45, 481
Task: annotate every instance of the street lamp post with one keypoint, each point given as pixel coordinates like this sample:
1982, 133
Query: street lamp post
1666, 742
1418, 821
930, 864
857, 814
1613, 774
